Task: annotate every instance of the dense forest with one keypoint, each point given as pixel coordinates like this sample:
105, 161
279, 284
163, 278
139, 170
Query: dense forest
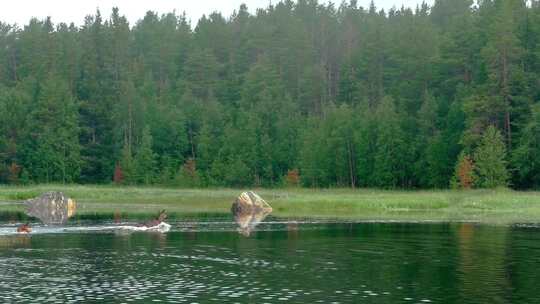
299, 93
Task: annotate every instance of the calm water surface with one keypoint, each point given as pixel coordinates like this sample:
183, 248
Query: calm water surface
284, 261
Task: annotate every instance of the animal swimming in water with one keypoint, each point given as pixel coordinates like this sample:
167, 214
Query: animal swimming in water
24, 228
162, 216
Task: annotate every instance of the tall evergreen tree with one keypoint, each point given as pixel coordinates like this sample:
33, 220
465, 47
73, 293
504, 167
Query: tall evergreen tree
52, 149
388, 167
526, 157
145, 159
490, 160
502, 55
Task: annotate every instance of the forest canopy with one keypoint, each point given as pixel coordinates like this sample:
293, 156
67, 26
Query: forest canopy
299, 93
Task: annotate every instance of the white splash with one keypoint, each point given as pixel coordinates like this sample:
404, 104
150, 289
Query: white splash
162, 227
12, 230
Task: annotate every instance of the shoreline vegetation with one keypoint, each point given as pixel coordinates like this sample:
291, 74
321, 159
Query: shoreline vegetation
499, 206
298, 93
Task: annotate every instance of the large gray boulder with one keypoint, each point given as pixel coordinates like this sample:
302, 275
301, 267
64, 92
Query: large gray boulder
52, 208
249, 210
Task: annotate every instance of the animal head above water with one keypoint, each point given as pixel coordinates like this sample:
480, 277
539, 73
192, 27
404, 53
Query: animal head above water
162, 215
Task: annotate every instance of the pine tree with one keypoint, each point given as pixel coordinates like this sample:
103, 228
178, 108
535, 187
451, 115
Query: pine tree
145, 159
3, 137
502, 55
52, 149
207, 149
365, 147
312, 156
490, 162
389, 148
238, 173
526, 157
187, 176
98, 91
127, 165
427, 141
444, 12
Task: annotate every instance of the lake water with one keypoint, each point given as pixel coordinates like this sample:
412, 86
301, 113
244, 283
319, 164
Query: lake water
283, 261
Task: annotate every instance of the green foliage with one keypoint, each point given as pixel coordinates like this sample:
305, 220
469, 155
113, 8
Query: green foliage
389, 147
237, 173
52, 146
329, 157
127, 166
349, 97
490, 160
188, 176
145, 159
464, 175
526, 157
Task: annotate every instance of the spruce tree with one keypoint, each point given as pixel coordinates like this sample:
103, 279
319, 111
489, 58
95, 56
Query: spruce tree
127, 165
390, 147
145, 159
526, 157
3, 138
490, 160
52, 149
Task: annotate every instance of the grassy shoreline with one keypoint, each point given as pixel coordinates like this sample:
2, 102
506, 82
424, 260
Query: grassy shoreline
494, 206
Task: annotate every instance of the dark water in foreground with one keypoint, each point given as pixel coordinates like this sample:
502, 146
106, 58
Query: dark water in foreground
325, 262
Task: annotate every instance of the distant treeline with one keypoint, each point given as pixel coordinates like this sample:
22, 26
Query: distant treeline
301, 93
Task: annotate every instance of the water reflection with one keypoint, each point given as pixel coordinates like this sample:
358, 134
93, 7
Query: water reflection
15, 241
249, 210
248, 221
286, 261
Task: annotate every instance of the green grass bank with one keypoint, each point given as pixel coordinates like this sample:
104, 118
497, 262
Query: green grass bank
494, 206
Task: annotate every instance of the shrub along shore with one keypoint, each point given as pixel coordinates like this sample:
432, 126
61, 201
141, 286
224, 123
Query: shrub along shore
489, 206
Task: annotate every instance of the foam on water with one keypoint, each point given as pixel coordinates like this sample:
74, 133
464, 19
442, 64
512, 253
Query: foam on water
191, 226
206, 226
42, 229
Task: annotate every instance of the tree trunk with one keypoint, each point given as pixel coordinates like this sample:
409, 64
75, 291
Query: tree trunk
191, 143
14, 65
351, 164
506, 96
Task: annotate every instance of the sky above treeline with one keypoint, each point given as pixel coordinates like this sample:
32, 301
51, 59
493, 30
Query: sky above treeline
20, 11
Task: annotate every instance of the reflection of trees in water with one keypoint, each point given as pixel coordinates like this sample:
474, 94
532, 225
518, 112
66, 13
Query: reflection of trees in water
15, 241
249, 220
13, 216
292, 229
191, 232
523, 263
482, 262
447, 263
249, 210
292, 237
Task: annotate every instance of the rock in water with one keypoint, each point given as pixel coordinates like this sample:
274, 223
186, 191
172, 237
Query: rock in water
249, 210
51, 208
250, 202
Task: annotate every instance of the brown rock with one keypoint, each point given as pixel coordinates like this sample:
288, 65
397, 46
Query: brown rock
249, 210
51, 208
